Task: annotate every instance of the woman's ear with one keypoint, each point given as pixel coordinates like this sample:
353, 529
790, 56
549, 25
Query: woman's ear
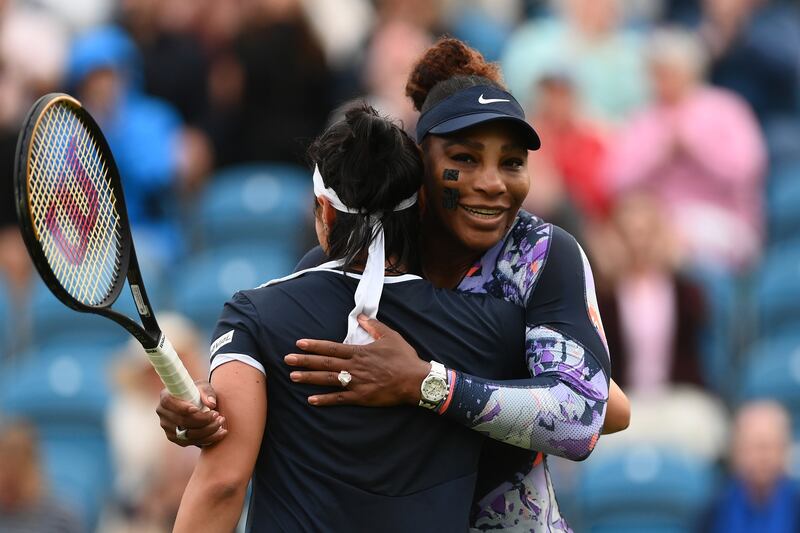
327, 211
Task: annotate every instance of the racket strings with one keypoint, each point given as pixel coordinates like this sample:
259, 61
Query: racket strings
73, 205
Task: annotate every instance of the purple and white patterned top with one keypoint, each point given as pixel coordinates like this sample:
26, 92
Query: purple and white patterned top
560, 408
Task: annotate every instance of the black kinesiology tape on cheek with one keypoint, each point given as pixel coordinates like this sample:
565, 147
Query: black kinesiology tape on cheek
450, 174
450, 198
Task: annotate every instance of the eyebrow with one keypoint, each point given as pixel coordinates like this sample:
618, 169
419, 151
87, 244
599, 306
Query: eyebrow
475, 145
513, 146
466, 142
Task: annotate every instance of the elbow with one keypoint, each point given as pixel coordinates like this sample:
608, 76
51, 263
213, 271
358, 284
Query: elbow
581, 448
226, 487
625, 419
223, 490
586, 451
618, 420
622, 419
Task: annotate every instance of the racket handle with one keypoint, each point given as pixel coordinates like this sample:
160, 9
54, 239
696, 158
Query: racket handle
172, 372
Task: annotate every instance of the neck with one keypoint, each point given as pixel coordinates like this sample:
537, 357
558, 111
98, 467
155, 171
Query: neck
392, 266
445, 262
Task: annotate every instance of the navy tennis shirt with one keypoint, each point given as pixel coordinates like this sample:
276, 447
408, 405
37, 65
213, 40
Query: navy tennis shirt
349, 468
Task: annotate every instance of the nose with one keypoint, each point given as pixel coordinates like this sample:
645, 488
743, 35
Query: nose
490, 183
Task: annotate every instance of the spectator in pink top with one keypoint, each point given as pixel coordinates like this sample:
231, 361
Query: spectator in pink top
700, 151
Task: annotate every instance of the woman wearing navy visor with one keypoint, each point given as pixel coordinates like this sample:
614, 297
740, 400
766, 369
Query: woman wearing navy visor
474, 140
355, 468
475, 182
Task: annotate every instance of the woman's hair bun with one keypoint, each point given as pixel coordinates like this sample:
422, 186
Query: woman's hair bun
371, 135
369, 161
444, 60
372, 164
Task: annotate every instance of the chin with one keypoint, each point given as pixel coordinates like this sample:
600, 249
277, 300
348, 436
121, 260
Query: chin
483, 241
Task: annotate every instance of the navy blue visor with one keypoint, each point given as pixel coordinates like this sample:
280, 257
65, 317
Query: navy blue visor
475, 105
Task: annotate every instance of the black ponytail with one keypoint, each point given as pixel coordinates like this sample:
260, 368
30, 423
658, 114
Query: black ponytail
372, 165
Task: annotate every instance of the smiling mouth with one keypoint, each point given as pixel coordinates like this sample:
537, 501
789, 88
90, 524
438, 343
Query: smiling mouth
483, 212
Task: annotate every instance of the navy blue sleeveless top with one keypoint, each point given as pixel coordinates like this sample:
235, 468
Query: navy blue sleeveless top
349, 468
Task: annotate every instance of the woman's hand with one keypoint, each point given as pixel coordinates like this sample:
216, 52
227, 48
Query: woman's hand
384, 373
203, 428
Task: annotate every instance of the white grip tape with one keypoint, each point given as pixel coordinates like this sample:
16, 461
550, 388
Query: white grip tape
172, 372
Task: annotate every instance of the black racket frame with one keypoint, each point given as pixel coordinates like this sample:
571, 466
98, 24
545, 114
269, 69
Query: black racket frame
149, 333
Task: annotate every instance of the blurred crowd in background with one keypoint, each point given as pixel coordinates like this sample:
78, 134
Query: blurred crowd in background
670, 148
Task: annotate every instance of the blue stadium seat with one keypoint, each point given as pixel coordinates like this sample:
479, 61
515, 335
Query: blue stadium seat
5, 318
777, 291
256, 203
53, 322
772, 370
783, 215
783, 138
644, 489
78, 468
206, 281
61, 384
64, 391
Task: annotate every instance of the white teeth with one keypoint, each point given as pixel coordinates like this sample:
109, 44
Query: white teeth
483, 213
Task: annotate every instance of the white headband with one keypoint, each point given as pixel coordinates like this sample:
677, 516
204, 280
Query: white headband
370, 288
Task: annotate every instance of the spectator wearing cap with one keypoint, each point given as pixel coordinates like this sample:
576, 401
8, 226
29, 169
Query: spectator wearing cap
144, 133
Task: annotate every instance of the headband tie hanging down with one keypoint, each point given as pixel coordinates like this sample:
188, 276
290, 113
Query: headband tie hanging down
370, 287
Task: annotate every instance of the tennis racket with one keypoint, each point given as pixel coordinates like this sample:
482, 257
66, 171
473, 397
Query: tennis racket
73, 219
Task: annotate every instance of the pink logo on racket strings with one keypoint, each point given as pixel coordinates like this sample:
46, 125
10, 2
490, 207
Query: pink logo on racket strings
83, 223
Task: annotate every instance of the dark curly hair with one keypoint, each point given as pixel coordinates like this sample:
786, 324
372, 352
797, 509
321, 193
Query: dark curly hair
447, 67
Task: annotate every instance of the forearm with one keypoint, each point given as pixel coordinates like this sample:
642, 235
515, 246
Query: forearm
559, 410
214, 496
210, 505
544, 414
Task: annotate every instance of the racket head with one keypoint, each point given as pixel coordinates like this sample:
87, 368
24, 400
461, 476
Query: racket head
70, 204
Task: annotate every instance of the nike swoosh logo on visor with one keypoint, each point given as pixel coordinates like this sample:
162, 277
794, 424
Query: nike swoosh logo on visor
482, 100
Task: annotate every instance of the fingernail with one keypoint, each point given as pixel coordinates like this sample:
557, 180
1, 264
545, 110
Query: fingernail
363, 318
214, 415
212, 401
221, 420
290, 360
294, 376
313, 400
302, 344
193, 409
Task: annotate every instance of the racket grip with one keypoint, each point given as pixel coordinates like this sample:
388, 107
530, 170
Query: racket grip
172, 372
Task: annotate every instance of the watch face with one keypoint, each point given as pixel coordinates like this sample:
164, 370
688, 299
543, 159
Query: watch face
434, 389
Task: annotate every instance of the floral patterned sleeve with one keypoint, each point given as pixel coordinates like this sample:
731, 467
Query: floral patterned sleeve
560, 409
